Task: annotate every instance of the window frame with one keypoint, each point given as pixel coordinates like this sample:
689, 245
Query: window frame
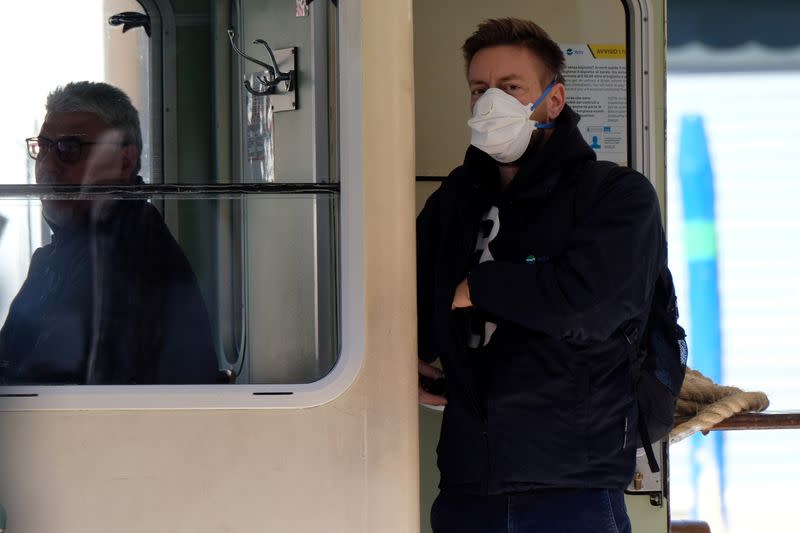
163, 86
350, 262
642, 90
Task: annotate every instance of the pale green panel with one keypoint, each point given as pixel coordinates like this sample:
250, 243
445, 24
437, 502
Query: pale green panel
284, 247
429, 423
645, 517
282, 316
275, 22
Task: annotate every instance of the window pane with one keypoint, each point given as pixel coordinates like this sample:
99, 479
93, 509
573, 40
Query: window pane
285, 136
244, 284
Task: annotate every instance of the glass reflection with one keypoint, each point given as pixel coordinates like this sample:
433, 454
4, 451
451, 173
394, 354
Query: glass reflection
111, 299
240, 286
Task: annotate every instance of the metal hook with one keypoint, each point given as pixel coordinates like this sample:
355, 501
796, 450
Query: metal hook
231, 36
271, 56
131, 19
273, 70
269, 88
277, 75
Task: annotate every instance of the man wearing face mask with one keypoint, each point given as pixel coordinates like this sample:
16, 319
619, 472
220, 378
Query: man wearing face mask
112, 299
532, 257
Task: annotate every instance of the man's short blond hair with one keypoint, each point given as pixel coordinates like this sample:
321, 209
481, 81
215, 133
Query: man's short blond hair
518, 32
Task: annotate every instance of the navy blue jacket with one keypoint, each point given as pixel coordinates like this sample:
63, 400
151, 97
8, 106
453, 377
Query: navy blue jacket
548, 402
111, 301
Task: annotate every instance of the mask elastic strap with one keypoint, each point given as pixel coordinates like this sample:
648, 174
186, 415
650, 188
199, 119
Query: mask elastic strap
533, 106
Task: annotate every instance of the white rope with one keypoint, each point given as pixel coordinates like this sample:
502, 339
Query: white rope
709, 404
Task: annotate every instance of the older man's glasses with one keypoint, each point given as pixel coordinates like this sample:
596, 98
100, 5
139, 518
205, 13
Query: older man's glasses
68, 149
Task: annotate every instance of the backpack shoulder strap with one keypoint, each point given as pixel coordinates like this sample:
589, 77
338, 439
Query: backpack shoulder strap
588, 177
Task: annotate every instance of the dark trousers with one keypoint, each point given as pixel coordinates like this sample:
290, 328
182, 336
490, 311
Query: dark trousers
547, 511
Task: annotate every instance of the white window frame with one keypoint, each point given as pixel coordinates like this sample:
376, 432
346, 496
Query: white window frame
351, 257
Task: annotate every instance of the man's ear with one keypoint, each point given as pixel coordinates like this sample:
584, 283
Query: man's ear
130, 156
556, 100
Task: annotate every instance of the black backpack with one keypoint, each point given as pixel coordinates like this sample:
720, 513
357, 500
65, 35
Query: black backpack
658, 365
658, 349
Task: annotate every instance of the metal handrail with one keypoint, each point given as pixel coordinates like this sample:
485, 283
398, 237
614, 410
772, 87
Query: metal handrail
753, 421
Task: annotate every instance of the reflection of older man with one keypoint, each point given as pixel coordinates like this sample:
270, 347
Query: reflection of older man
112, 299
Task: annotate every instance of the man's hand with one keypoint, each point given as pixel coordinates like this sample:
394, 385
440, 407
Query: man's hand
431, 372
461, 298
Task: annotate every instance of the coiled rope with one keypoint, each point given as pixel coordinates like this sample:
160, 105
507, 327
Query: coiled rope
709, 404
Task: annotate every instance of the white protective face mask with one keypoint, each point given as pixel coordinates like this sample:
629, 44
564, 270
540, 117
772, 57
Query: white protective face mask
501, 126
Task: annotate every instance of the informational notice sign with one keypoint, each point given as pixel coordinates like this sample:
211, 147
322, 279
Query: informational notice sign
596, 83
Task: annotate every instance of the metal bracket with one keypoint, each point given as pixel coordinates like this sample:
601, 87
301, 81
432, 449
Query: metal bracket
280, 100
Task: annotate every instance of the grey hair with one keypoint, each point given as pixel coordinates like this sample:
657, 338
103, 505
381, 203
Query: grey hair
109, 103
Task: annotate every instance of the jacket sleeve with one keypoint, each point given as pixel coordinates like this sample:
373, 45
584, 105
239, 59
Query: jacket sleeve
602, 279
427, 245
